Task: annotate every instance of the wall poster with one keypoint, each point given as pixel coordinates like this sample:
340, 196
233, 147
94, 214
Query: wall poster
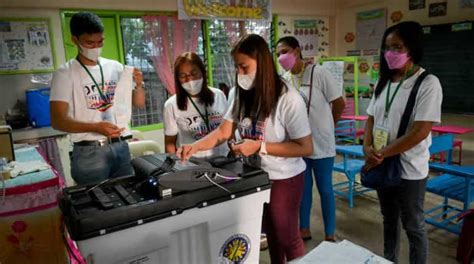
311, 33
26, 46
370, 28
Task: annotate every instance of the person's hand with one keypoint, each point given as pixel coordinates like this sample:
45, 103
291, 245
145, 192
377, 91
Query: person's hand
108, 129
186, 151
372, 158
137, 77
246, 148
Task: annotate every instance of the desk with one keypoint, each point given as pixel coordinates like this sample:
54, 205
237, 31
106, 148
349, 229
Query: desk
456, 184
29, 218
458, 130
350, 167
355, 117
353, 150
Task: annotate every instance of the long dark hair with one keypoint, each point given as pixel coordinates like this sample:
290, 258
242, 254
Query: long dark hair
206, 96
291, 42
268, 86
411, 34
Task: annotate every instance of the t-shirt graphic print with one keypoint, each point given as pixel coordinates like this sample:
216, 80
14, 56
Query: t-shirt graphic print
99, 100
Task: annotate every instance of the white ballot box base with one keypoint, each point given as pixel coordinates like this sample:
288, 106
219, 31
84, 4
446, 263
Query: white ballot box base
227, 232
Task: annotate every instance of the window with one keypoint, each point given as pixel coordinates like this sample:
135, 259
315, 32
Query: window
223, 34
137, 52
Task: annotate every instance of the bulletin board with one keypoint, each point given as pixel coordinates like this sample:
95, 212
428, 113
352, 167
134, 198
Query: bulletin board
312, 34
26, 46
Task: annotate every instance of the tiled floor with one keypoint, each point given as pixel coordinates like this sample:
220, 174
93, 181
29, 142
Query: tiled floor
363, 223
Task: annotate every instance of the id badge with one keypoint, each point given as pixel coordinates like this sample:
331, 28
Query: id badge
381, 136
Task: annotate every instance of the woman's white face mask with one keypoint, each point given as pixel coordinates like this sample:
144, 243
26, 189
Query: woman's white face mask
246, 80
193, 87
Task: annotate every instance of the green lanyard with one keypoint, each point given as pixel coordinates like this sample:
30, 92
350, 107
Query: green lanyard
205, 118
300, 78
388, 100
101, 93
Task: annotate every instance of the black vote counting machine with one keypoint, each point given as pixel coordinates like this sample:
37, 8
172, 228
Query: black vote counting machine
163, 186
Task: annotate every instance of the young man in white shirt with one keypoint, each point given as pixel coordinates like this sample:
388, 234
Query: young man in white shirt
82, 99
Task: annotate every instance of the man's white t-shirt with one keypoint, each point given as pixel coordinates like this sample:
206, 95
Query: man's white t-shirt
73, 85
321, 120
189, 126
427, 108
287, 122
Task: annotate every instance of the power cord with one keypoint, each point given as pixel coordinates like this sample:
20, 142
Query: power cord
215, 183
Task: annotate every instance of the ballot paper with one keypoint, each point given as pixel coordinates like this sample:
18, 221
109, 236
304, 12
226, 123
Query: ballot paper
340, 253
122, 108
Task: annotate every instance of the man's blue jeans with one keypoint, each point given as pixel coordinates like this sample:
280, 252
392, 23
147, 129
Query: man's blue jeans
92, 164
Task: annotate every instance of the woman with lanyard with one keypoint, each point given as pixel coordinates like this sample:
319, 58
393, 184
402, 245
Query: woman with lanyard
195, 110
402, 50
266, 112
324, 105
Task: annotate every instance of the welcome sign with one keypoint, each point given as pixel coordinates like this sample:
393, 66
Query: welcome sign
225, 9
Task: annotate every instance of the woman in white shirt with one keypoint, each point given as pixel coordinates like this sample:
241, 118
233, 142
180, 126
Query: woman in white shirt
195, 110
324, 105
402, 50
266, 112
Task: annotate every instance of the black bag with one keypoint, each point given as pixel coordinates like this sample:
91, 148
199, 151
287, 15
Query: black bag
388, 173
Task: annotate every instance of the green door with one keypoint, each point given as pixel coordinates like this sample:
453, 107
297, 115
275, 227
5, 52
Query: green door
111, 48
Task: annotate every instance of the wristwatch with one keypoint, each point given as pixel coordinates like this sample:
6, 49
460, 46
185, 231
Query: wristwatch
263, 148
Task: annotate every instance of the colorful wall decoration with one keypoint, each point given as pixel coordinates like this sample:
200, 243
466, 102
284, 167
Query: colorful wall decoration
312, 34
225, 9
26, 46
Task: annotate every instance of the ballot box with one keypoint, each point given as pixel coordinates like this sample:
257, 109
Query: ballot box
170, 212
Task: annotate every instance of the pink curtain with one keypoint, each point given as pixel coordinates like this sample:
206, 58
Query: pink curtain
168, 37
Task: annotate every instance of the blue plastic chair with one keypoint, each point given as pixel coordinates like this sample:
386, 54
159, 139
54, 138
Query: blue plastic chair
350, 166
345, 131
448, 186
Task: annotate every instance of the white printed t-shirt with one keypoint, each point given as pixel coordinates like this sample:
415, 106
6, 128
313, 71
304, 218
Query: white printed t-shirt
427, 108
72, 84
320, 113
287, 122
189, 126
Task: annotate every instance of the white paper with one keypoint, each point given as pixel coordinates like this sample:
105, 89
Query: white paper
340, 253
336, 68
123, 100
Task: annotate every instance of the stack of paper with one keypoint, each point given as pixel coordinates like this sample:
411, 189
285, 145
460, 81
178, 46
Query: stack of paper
340, 253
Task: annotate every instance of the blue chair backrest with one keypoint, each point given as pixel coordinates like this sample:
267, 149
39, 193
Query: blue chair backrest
442, 143
345, 130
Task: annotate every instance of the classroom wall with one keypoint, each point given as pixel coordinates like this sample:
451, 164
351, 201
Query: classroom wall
347, 10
